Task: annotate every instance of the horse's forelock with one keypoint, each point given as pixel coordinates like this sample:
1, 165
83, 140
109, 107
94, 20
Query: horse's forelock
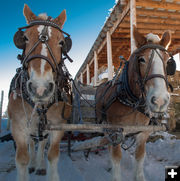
43, 16
152, 38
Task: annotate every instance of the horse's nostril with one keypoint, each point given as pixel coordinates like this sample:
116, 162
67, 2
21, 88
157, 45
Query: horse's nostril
30, 87
51, 86
153, 100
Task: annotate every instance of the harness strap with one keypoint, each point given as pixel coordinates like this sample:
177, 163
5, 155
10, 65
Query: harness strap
42, 57
46, 23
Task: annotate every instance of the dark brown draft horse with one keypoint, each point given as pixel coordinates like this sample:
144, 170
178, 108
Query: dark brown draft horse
40, 93
138, 93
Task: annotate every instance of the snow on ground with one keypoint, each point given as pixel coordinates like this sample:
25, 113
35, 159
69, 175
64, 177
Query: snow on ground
163, 152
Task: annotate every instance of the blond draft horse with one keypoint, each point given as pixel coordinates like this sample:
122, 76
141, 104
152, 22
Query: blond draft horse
39, 62
154, 90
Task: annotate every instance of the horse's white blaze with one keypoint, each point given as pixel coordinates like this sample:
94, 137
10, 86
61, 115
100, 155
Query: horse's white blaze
157, 68
44, 50
43, 62
158, 89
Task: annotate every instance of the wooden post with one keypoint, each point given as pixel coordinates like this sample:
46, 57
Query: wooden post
109, 56
1, 105
88, 74
95, 68
132, 22
81, 78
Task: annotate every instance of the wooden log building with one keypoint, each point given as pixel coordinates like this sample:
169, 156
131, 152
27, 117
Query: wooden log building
115, 38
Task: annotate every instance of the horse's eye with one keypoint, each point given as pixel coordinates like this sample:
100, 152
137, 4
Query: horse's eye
61, 43
142, 60
25, 38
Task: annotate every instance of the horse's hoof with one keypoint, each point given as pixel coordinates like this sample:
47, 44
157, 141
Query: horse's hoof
31, 170
41, 172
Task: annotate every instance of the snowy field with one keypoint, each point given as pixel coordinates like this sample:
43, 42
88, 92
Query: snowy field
161, 153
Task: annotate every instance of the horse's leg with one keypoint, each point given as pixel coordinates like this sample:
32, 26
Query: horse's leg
116, 156
53, 155
40, 161
32, 164
139, 155
22, 155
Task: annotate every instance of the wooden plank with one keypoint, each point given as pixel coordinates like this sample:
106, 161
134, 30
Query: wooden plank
86, 89
95, 68
125, 32
109, 56
148, 12
100, 128
152, 26
158, 20
156, 4
81, 77
116, 24
132, 23
120, 18
88, 112
87, 74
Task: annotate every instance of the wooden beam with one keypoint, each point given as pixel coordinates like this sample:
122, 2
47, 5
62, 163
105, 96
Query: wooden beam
152, 26
116, 24
125, 32
120, 18
148, 12
132, 23
101, 127
109, 56
81, 78
156, 4
95, 68
88, 74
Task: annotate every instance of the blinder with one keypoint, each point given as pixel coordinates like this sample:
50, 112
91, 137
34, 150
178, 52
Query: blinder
171, 66
67, 45
20, 39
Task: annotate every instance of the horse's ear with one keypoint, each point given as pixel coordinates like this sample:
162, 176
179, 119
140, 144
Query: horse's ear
29, 15
166, 39
140, 40
60, 20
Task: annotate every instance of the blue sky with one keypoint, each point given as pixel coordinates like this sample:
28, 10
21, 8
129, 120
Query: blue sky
85, 19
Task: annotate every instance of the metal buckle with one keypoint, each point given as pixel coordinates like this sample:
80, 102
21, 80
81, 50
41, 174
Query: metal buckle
43, 38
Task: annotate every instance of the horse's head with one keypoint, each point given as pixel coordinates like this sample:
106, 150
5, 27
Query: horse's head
150, 64
42, 43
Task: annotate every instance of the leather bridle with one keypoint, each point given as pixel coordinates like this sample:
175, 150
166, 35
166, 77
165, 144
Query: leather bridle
143, 80
43, 38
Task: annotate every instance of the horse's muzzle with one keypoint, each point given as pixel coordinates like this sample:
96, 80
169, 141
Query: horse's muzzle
40, 93
159, 104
